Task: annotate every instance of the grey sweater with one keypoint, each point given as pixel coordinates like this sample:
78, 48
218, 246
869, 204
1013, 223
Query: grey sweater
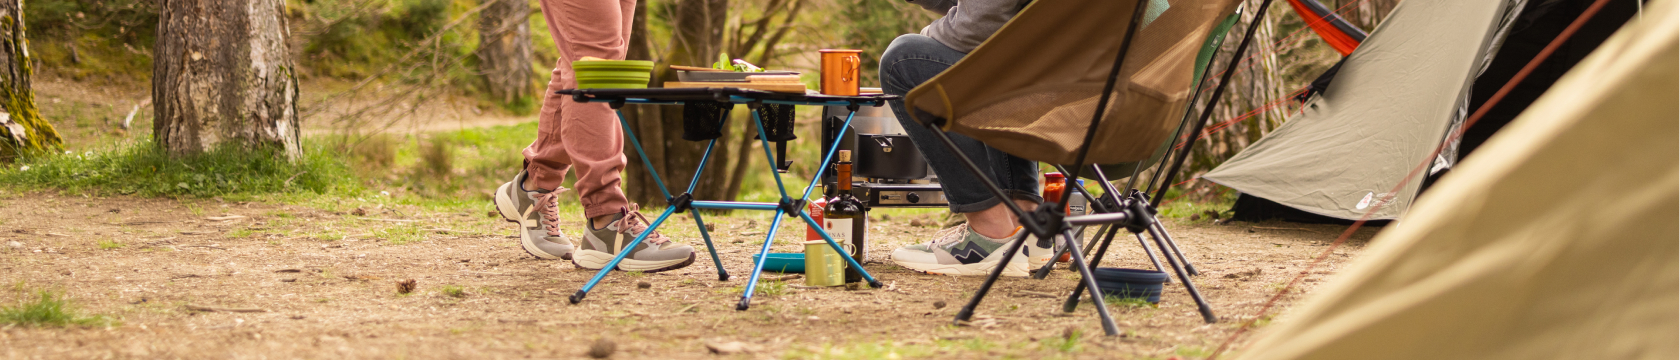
967, 23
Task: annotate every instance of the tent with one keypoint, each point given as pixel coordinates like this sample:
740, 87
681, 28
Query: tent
1396, 97
1556, 240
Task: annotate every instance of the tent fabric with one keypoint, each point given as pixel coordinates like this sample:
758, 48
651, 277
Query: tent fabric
1031, 89
1556, 240
1335, 30
1387, 112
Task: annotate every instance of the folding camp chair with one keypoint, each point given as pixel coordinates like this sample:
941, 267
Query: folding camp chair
1037, 89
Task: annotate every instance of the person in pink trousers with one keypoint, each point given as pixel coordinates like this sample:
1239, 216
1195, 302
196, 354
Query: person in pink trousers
587, 137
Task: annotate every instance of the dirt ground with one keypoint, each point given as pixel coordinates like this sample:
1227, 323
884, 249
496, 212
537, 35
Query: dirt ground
177, 277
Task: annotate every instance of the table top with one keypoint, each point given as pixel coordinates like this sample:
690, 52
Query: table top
720, 94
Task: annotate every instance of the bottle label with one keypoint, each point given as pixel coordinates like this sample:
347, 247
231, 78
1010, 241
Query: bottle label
840, 229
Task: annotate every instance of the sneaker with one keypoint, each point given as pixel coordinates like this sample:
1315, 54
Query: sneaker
538, 217
656, 253
961, 251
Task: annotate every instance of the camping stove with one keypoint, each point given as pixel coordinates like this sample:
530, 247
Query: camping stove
888, 170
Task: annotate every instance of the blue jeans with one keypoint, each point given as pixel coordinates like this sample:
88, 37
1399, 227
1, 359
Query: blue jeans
913, 59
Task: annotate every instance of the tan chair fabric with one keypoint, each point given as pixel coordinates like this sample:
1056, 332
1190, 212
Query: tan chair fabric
1031, 89
1557, 239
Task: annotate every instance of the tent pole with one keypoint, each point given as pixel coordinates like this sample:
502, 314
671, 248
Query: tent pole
1207, 111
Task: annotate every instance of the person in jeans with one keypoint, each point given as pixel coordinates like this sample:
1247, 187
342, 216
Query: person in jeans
971, 248
585, 136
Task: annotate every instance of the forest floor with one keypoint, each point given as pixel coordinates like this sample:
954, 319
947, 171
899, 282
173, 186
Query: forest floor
204, 278
318, 278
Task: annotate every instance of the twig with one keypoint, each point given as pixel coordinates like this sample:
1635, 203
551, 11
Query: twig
130, 119
786, 278
219, 309
389, 220
205, 246
1281, 228
1037, 294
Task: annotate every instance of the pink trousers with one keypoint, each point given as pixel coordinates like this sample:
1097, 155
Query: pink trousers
582, 135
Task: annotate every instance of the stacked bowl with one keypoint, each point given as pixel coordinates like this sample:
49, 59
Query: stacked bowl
612, 74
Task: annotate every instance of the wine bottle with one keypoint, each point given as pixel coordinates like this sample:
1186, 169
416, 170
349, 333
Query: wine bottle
844, 219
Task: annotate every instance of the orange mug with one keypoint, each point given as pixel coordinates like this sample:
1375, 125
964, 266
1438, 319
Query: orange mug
840, 69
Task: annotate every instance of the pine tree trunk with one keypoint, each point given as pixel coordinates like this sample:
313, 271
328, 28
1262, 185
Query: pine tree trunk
504, 50
22, 130
223, 76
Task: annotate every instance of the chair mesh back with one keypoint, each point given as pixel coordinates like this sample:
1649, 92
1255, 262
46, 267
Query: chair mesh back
1031, 89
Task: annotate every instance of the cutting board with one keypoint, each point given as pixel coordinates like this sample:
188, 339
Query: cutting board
781, 87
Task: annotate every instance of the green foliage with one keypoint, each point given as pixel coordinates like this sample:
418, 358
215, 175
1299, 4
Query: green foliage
46, 309
454, 291
1128, 302
1068, 343
92, 38
140, 167
871, 25
105, 244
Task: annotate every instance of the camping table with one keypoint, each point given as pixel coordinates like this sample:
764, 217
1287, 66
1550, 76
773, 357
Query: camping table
788, 205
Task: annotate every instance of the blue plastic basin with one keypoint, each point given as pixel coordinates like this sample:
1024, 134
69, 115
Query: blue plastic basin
784, 262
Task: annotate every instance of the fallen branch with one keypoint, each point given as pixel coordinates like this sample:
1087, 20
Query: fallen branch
220, 309
390, 220
130, 119
1037, 294
1281, 228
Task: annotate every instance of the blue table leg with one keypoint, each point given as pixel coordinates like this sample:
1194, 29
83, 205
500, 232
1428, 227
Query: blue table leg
722, 274
763, 254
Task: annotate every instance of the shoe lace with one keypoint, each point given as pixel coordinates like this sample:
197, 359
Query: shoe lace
949, 235
634, 223
549, 205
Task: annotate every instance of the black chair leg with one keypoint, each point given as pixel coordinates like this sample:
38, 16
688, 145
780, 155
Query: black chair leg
967, 311
1184, 277
1173, 245
1089, 280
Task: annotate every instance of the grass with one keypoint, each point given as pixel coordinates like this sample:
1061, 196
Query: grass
47, 309
110, 245
1128, 302
141, 168
402, 234
454, 291
764, 288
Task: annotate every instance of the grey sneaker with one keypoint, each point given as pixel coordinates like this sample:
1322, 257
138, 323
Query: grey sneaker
538, 217
656, 253
961, 251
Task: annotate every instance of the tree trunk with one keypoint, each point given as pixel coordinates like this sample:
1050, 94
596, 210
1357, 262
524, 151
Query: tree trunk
223, 76
696, 40
22, 130
504, 50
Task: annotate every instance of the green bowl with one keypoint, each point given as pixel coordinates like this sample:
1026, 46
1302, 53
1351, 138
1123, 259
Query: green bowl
613, 74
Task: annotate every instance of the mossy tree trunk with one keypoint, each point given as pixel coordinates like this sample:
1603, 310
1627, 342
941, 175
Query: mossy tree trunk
504, 50
223, 76
697, 37
22, 130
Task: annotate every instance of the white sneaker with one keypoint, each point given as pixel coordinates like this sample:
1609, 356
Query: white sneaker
961, 251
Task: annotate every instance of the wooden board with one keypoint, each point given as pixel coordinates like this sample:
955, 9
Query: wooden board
793, 88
